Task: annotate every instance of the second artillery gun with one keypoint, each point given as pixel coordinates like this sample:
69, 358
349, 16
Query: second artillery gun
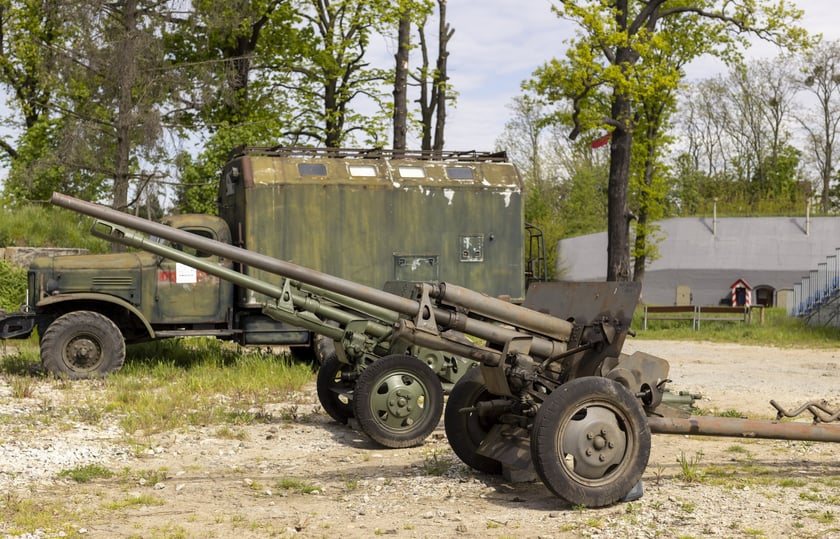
546, 386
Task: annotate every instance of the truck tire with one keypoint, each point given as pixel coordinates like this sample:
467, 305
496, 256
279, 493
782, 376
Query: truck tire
82, 344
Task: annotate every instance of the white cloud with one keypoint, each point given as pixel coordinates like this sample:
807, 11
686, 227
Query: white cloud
499, 43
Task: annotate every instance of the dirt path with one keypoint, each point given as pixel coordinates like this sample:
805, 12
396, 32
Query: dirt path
309, 477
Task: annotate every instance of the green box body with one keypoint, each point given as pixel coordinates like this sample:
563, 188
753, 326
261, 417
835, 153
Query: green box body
375, 219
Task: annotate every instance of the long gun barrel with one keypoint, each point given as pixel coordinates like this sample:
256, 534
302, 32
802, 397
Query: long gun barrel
556, 330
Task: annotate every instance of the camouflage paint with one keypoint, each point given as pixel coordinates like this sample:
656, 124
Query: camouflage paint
382, 225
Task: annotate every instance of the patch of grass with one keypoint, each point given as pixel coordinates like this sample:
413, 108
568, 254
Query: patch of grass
739, 449
297, 485
825, 517
87, 473
21, 360
170, 384
23, 387
718, 413
23, 517
436, 463
150, 477
778, 329
690, 467
227, 433
135, 501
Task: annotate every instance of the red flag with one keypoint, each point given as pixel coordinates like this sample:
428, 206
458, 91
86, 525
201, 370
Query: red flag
598, 142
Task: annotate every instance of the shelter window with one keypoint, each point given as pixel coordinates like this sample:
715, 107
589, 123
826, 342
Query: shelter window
312, 169
192, 250
363, 171
459, 173
412, 172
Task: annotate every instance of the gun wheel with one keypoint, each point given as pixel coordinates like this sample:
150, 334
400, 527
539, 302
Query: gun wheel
398, 401
590, 442
465, 430
334, 391
82, 344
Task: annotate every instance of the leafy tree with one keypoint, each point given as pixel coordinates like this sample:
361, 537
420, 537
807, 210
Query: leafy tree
112, 86
31, 38
565, 181
608, 62
236, 58
331, 72
738, 133
820, 77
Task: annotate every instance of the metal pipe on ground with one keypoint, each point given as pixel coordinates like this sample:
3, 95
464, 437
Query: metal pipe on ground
745, 428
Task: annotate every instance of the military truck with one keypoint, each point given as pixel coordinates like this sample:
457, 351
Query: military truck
377, 217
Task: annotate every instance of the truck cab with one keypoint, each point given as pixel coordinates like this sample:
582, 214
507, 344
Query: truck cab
87, 307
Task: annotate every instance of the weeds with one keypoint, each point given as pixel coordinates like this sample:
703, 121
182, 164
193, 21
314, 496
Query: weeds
436, 463
690, 467
20, 516
135, 501
297, 485
23, 387
85, 474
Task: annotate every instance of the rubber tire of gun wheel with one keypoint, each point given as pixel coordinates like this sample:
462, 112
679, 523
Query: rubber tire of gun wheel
330, 386
398, 401
581, 421
324, 348
82, 344
466, 430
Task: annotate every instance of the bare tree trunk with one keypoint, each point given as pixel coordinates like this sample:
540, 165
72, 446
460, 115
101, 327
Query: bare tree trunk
401, 82
441, 78
427, 99
640, 245
618, 217
127, 61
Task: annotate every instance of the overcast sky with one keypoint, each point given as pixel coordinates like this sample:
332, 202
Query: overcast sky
498, 43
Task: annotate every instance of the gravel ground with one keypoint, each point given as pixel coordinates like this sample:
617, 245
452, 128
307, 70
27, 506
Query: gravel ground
210, 486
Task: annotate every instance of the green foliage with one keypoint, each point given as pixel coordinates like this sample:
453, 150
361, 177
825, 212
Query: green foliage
690, 467
36, 226
778, 329
12, 286
37, 170
87, 473
297, 485
39, 226
627, 57
200, 176
166, 384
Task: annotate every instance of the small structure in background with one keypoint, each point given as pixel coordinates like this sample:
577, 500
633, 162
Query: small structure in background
700, 257
741, 293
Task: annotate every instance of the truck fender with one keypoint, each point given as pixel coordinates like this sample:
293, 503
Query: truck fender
100, 298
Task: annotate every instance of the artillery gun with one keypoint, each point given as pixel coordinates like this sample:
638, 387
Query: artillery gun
541, 387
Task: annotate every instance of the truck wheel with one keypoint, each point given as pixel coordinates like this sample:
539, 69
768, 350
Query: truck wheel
590, 442
82, 344
465, 430
398, 401
335, 394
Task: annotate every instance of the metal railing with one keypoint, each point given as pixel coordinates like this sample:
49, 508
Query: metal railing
820, 287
